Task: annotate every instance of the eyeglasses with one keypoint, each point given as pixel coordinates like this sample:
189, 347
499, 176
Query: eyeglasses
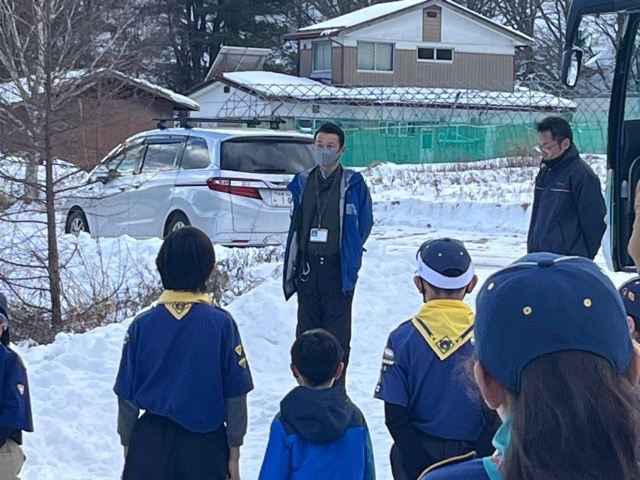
545, 148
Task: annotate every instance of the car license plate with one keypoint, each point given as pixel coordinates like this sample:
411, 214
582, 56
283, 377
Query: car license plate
281, 198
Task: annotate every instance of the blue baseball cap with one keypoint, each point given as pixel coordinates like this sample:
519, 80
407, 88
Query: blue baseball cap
545, 303
445, 263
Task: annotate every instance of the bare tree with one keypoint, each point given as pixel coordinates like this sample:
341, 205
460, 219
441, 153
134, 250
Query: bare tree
51, 51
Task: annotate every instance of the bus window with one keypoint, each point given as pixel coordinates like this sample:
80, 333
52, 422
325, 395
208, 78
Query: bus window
632, 101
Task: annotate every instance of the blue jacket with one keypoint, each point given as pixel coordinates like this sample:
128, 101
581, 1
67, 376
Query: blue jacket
318, 434
15, 396
356, 213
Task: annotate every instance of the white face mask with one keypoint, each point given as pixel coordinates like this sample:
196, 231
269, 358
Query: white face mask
325, 157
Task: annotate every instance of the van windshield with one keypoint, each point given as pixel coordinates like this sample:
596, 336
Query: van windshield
266, 155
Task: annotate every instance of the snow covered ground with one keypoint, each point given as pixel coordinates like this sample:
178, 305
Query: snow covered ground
486, 207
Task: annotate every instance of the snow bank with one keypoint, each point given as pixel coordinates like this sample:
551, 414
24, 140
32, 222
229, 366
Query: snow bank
71, 379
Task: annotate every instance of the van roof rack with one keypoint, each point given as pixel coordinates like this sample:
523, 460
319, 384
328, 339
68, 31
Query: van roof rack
188, 122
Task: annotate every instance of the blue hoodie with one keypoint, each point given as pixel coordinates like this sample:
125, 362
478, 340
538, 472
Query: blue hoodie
356, 214
318, 434
15, 399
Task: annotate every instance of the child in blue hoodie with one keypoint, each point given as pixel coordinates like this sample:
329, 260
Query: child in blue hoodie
15, 402
319, 433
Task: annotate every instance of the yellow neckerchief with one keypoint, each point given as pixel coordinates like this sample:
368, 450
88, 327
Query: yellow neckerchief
179, 303
446, 325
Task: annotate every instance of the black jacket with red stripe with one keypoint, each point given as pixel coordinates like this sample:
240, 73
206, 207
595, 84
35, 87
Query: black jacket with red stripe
568, 208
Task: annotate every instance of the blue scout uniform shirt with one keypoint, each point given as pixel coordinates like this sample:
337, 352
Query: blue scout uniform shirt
423, 370
181, 359
15, 409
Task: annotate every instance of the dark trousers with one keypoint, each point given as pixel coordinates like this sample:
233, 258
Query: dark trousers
161, 449
433, 450
322, 303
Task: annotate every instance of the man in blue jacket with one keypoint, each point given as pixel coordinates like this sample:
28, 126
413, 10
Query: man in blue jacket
568, 207
15, 402
318, 433
332, 218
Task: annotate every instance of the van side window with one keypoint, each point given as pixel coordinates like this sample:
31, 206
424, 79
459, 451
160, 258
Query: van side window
127, 162
196, 154
161, 156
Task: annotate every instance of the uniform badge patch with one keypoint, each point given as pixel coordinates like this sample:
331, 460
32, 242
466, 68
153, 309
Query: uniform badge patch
445, 344
243, 362
388, 359
239, 350
20, 388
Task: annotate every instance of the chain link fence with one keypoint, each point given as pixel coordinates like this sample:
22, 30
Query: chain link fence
425, 125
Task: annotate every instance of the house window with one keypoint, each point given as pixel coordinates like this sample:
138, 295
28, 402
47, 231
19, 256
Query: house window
321, 56
430, 54
375, 56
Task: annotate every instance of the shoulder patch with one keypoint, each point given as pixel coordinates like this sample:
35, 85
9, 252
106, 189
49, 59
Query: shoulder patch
388, 357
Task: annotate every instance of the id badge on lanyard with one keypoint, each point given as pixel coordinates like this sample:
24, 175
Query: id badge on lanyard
319, 235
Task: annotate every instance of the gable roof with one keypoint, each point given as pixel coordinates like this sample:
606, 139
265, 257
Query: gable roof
10, 93
383, 11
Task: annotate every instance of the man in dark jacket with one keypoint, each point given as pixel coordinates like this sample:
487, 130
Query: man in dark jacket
332, 218
15, 402
568, 207
318, 433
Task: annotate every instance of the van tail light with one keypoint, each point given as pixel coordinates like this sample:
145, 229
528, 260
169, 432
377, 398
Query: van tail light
237, 186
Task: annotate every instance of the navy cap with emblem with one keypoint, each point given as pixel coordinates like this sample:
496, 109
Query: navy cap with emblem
630, 292
545, 303
445, 263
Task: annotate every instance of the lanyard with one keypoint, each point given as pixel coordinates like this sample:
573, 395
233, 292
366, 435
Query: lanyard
322, 207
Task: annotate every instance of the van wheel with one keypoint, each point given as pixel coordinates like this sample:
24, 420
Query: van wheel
76, 222
177, 221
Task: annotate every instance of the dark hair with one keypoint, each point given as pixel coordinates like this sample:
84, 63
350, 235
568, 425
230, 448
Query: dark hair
445, 292
316, 354
333, 129
574, 419
559, 128
186, 260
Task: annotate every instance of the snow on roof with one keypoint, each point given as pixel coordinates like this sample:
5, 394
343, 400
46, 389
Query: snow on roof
10, 92
267, 78
363, 15
305, 89
379, 10
164, 92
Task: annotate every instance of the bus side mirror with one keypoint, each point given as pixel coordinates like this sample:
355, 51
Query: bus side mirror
571, 66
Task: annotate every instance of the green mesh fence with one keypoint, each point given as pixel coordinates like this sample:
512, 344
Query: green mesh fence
427, 143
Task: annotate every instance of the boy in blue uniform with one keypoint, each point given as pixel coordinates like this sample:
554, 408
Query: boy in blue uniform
556, 361
319, 433
15, 402
184, 364
429, 410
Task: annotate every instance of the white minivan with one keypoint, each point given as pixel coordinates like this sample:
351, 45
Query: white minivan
230, 183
